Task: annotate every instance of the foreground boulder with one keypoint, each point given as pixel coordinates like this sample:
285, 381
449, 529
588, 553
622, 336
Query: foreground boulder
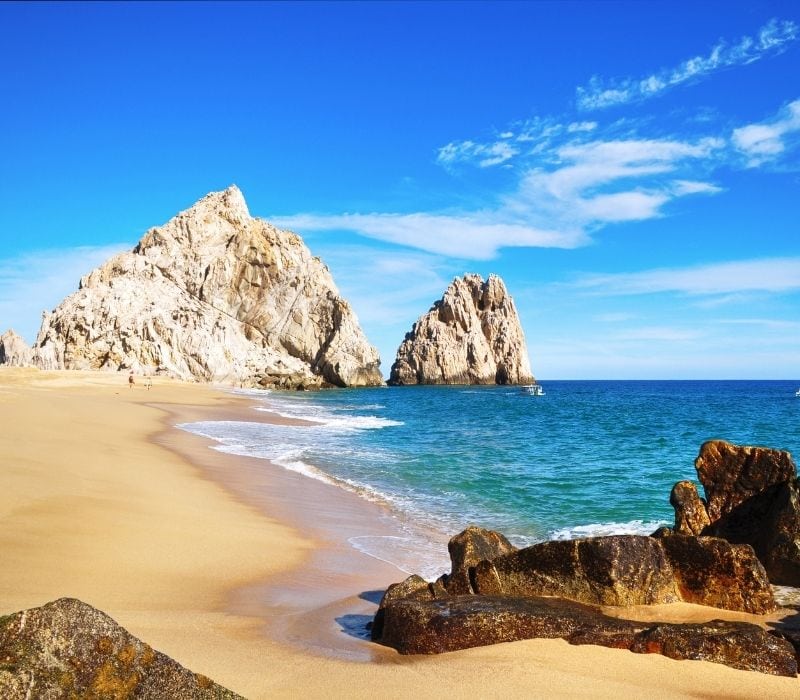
213, 295
472, 335
14, 351
461, 622
752, 497
467, 550
69, 649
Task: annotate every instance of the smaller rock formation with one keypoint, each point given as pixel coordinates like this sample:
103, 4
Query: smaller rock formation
752, 497
691, 517
472, 335
732, 474
467, 550
68, 649
14, 351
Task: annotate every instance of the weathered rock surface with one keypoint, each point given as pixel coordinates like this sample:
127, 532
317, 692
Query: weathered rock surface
712, 571
14, 351
752, 497
617, 570
732, 474
472, 335
460, 622
214, 295
624, 570
69, 649
691, 517
467, 549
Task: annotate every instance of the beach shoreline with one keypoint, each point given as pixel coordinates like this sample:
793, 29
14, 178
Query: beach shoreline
99, 502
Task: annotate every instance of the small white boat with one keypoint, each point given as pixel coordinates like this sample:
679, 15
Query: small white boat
797, 393
533, 389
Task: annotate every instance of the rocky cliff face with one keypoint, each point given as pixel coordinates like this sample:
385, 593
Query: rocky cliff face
472, 335
214, 295
14, 351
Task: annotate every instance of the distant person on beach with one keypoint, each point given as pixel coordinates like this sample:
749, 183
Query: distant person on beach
131, 380
148, 383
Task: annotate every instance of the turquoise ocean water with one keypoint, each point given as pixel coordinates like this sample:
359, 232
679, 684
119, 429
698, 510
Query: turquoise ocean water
587, 458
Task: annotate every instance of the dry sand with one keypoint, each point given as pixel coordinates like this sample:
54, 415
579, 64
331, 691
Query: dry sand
244, 573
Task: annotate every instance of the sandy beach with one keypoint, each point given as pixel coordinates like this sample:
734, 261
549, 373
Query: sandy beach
242, 572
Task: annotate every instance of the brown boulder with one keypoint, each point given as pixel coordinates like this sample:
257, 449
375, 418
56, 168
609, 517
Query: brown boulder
616, 570
461, 622
467, 549
413, 588
690, 510
731, 474
69, 649
711, 571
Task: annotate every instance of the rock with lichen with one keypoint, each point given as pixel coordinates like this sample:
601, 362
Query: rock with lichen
68, 649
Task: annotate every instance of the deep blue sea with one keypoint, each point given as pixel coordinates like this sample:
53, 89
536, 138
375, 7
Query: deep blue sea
587, 458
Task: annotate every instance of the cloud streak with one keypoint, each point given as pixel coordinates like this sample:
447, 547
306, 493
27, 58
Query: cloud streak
772, 275
767, 141
774, 37
476, 236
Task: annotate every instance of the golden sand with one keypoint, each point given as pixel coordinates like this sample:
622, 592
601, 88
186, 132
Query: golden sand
234, 570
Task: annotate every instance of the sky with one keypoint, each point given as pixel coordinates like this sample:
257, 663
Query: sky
630, 169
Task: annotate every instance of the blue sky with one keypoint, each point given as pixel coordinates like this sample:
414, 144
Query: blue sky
631, 169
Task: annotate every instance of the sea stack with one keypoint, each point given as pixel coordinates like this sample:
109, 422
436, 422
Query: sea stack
213, 295
472, 335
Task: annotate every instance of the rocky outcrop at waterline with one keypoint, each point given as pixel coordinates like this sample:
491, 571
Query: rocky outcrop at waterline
724, 552
68, 649
472, 335
752, 496
555, 590
213, 295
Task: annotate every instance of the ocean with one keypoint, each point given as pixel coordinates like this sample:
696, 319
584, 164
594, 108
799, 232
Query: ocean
587, 458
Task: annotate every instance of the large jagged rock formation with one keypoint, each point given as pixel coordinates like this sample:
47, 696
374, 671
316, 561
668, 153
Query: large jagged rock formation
14, 351
68, 649
472, 335
214, 295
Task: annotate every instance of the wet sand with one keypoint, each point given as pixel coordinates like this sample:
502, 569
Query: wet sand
244, 573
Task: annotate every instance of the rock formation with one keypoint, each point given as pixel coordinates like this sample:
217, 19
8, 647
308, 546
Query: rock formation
472, 335
752, 497
68, 649
549, 590
14, 351
213, 295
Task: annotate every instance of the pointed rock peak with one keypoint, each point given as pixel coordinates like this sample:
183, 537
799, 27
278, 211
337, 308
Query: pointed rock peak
228, 203
14, 350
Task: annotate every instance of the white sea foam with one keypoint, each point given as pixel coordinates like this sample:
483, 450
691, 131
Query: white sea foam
411, 554
323, 417
633, 527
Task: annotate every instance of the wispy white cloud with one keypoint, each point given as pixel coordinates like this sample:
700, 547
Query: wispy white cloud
773, 37
771, 275
39, 281
476, 236
485, 155
767, 140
